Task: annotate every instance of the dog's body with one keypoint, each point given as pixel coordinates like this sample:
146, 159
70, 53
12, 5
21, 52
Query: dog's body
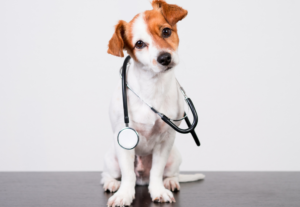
155, 160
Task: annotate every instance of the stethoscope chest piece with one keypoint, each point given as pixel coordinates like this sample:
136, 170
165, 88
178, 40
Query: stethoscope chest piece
128, 138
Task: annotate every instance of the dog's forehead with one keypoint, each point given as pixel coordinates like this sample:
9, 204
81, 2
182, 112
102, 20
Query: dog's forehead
147, 26
148, 22
140, 29
155, 19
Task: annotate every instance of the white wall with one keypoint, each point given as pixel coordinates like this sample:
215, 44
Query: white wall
240, 64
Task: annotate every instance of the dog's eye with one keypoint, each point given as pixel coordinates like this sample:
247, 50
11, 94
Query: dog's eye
166, 32
140, 44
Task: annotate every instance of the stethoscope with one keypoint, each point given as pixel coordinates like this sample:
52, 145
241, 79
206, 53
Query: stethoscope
128, 138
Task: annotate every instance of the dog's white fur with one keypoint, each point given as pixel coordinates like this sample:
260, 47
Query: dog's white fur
156, 150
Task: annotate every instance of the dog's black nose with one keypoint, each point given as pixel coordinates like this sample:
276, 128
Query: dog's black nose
164, 58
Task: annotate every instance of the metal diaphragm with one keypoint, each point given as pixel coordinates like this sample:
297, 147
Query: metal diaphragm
128, 138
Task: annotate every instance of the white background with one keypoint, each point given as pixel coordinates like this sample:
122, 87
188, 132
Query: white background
240, 64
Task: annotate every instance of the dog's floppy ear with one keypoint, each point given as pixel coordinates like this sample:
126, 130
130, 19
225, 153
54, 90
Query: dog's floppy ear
171, 12
116, 43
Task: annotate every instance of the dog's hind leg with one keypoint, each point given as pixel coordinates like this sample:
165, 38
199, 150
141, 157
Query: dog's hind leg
171, 172
111, 172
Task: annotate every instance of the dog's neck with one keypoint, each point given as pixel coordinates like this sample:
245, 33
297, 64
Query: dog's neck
148, 83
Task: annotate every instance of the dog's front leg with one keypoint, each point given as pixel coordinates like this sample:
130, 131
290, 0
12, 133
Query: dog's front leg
125, 195
159, 159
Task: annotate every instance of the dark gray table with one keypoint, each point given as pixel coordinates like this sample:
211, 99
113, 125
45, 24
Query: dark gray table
80, 189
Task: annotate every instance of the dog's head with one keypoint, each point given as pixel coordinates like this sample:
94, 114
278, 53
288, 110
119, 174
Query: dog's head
150, 38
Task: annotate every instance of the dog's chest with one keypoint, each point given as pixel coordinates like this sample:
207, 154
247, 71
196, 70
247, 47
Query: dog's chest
149, 124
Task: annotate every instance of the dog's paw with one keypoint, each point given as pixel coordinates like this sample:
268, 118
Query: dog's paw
161, 194
121, 198
111, 185
172, 183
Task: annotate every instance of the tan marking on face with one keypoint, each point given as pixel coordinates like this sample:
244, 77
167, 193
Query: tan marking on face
156, 22
128, 45
154, 62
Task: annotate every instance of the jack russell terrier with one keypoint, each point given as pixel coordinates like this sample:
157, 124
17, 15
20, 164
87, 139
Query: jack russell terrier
151, 39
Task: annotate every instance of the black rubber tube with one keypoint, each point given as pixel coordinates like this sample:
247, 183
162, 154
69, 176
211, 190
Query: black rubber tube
191, 127
193, 131
124, 88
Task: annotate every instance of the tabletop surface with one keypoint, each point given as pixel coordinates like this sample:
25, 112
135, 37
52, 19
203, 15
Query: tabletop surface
80, 189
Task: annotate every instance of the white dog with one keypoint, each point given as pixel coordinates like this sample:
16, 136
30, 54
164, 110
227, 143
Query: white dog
151, 39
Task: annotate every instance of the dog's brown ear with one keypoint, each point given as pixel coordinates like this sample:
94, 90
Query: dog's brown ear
171, 12
116, 43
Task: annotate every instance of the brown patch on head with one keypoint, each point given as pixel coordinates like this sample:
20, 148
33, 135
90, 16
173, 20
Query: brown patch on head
122, 39
163, 16
116, 43
171, 12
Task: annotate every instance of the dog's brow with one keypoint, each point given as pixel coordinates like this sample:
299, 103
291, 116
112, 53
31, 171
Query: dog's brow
164, 26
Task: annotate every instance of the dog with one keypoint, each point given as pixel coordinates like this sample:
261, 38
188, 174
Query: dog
151, 39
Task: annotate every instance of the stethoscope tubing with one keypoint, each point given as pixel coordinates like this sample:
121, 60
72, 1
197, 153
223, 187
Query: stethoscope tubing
167, 120
188, 123
125, 107
176, 128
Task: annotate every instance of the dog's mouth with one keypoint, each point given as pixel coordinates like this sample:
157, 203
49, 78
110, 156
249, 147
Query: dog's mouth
168, 68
